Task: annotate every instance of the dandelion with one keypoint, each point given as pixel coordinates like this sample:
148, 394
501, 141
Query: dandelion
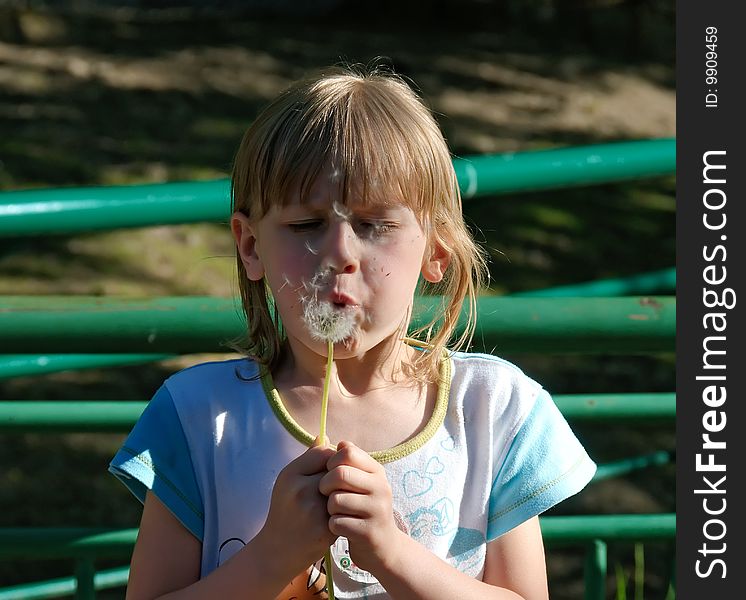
326, 322
332, 324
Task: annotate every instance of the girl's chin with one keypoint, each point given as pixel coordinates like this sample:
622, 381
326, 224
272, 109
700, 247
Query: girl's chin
359, 344
356, 345
348, 348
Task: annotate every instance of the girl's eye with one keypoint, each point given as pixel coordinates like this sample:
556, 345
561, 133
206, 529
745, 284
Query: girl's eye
304, 226
377, 227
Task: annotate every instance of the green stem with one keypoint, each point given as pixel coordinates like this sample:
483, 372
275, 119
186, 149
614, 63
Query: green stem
322, 440
639, 570
329, 578
325, 393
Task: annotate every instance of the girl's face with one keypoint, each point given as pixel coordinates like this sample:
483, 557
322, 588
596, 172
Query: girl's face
364, 261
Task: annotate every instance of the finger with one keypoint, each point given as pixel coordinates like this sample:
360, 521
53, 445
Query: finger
348, 479
352, 505
349, 454
312, 460
347, 526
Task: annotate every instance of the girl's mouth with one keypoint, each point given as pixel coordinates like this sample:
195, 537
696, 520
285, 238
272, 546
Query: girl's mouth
340, 300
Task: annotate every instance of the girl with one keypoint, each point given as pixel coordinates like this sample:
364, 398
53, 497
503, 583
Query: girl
437, 462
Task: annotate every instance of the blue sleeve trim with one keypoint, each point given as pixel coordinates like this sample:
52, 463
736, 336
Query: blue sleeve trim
155, 456
545, 465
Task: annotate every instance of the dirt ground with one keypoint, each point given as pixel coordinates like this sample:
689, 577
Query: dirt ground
119, 97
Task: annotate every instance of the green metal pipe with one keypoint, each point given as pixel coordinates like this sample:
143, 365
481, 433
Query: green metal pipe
65, 586
627, 465
21, 365
655, 282
61, 324
70, 210
595, 571
66, 542
69, 416
565, 167
575, 529
45, 542
631, 407
118, 416
84, 574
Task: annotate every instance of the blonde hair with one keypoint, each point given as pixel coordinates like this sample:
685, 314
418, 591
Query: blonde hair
377, 133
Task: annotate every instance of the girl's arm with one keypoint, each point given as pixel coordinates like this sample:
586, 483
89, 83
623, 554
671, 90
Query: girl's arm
516, 561
166, 563
167, 557
360, 508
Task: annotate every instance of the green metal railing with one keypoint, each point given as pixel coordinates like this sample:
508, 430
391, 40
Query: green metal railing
20, 365
54, 324
640, 284
70, 210
84, 584
502, 312
565, 167
49, 334
30, 364
603, 325
85, 545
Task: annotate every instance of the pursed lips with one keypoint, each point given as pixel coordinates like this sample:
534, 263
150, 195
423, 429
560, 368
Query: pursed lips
342, 299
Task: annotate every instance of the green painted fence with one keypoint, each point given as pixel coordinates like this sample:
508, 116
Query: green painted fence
48, 334
86, 544
52, 324
71, 210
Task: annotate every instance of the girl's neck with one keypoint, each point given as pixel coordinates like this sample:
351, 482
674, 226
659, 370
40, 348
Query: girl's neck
375, 407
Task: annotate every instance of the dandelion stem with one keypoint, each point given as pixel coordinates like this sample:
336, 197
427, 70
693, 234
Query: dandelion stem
325, 393
329, 578
322, 440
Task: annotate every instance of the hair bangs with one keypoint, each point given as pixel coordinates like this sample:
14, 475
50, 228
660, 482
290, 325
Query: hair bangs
354, 131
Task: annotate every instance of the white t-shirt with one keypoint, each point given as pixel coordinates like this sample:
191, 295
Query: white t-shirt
495, 453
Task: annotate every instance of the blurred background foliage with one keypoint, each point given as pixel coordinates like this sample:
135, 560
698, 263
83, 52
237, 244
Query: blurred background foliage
120, 92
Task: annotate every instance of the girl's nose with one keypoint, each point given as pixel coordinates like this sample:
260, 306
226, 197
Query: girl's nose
341, 247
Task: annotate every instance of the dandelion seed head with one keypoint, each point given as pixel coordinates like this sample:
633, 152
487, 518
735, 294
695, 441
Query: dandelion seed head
325, 321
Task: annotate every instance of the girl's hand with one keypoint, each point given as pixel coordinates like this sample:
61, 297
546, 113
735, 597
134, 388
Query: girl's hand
297, 524
359, 505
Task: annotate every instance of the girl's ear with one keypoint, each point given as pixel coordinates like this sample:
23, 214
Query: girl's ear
436, 262
246, 245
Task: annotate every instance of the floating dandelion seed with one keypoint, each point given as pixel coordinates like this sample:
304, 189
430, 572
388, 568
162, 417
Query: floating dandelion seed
310, 248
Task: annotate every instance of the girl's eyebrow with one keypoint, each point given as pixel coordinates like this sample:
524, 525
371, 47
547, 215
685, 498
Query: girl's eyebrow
380, 210
304, 209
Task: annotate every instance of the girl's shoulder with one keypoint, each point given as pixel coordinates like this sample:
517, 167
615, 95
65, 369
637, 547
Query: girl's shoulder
487, 388
212, 373
213, 383
475, 369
